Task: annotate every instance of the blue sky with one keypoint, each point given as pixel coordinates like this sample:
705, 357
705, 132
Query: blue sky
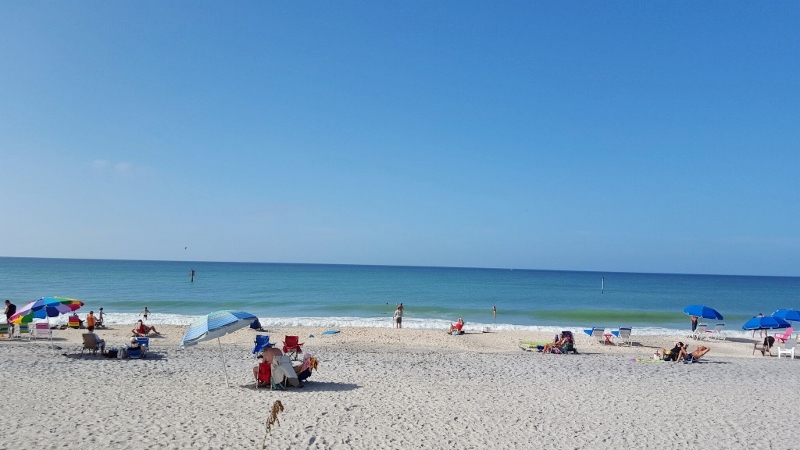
609, 136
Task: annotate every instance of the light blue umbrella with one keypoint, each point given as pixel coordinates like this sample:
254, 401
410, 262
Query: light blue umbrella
216, 325
702, 311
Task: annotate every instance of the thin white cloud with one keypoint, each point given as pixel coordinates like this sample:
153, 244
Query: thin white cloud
123, 169
100, 164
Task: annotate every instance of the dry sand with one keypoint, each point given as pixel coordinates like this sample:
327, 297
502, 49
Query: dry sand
396, 389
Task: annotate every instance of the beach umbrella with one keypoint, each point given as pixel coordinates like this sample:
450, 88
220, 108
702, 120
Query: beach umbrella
703, 311
787, 314
765, 323
44, 308
216, 325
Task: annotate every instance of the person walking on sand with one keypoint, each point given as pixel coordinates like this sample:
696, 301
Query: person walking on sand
100, 319
398, 317
145, 312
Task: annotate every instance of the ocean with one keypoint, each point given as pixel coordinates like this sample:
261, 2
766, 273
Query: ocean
433, 297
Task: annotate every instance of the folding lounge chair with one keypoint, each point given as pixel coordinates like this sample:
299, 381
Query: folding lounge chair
292, 346
23, 329
41, 329
261, 342
74, 322
699, 332
90, 343
781, 338
596, 333
788, 348
716, 333
623, 335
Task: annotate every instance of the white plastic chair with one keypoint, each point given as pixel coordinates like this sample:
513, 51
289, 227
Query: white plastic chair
41, 329
716, 333
699, 332
788, 348
624, 336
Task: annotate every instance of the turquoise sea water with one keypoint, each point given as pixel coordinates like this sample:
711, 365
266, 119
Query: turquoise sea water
341, 295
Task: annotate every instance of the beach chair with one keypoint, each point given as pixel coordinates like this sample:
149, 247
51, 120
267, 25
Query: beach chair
623, 335
74, 322
261, 342
23, 329
781, 338
90, 343
570, 345
716, 333
264, 377
699, 332
41, 329
765, 347
596, 333
788, 348
292, 346
144, 345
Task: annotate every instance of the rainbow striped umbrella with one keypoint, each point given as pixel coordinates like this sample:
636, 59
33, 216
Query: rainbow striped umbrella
43, 308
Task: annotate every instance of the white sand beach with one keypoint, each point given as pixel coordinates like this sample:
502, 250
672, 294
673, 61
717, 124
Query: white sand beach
396, 389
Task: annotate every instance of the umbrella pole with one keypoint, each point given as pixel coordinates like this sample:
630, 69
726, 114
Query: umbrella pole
224, 369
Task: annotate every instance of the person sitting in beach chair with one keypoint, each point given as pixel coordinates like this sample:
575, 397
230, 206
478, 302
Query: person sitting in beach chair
562, 344
693, 356
457, 328
143, 330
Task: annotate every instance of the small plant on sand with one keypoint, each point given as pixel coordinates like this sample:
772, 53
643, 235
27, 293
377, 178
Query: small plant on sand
277, 408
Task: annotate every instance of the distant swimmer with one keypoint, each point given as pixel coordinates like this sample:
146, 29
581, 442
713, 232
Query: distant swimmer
191, 273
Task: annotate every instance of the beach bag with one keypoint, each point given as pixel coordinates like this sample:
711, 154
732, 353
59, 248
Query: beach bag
111, 353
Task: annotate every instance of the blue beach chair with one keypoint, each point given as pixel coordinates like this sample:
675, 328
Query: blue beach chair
138, 353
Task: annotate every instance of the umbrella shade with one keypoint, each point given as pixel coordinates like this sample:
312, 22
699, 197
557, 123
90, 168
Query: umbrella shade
787, 314
765, 323
702, 311
45, 307
215, 325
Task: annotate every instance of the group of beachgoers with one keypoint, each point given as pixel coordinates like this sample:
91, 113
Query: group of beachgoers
267, 368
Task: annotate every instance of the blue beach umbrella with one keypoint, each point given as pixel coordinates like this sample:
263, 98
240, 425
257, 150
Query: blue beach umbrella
765, 323
216, 325
787, 314
702, 311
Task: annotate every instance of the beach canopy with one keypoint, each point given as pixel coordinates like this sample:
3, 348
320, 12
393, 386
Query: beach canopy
765, 323
787, 314
703, 311
216, 325
43, 308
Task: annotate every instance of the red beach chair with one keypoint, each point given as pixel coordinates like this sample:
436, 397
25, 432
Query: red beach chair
292, 346
265, 377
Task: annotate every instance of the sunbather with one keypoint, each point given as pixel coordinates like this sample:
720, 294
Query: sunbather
559, 344
693, 356
458, 326
143, 330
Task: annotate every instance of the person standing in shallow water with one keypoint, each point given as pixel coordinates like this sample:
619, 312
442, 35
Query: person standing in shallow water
398, 317
694, 323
